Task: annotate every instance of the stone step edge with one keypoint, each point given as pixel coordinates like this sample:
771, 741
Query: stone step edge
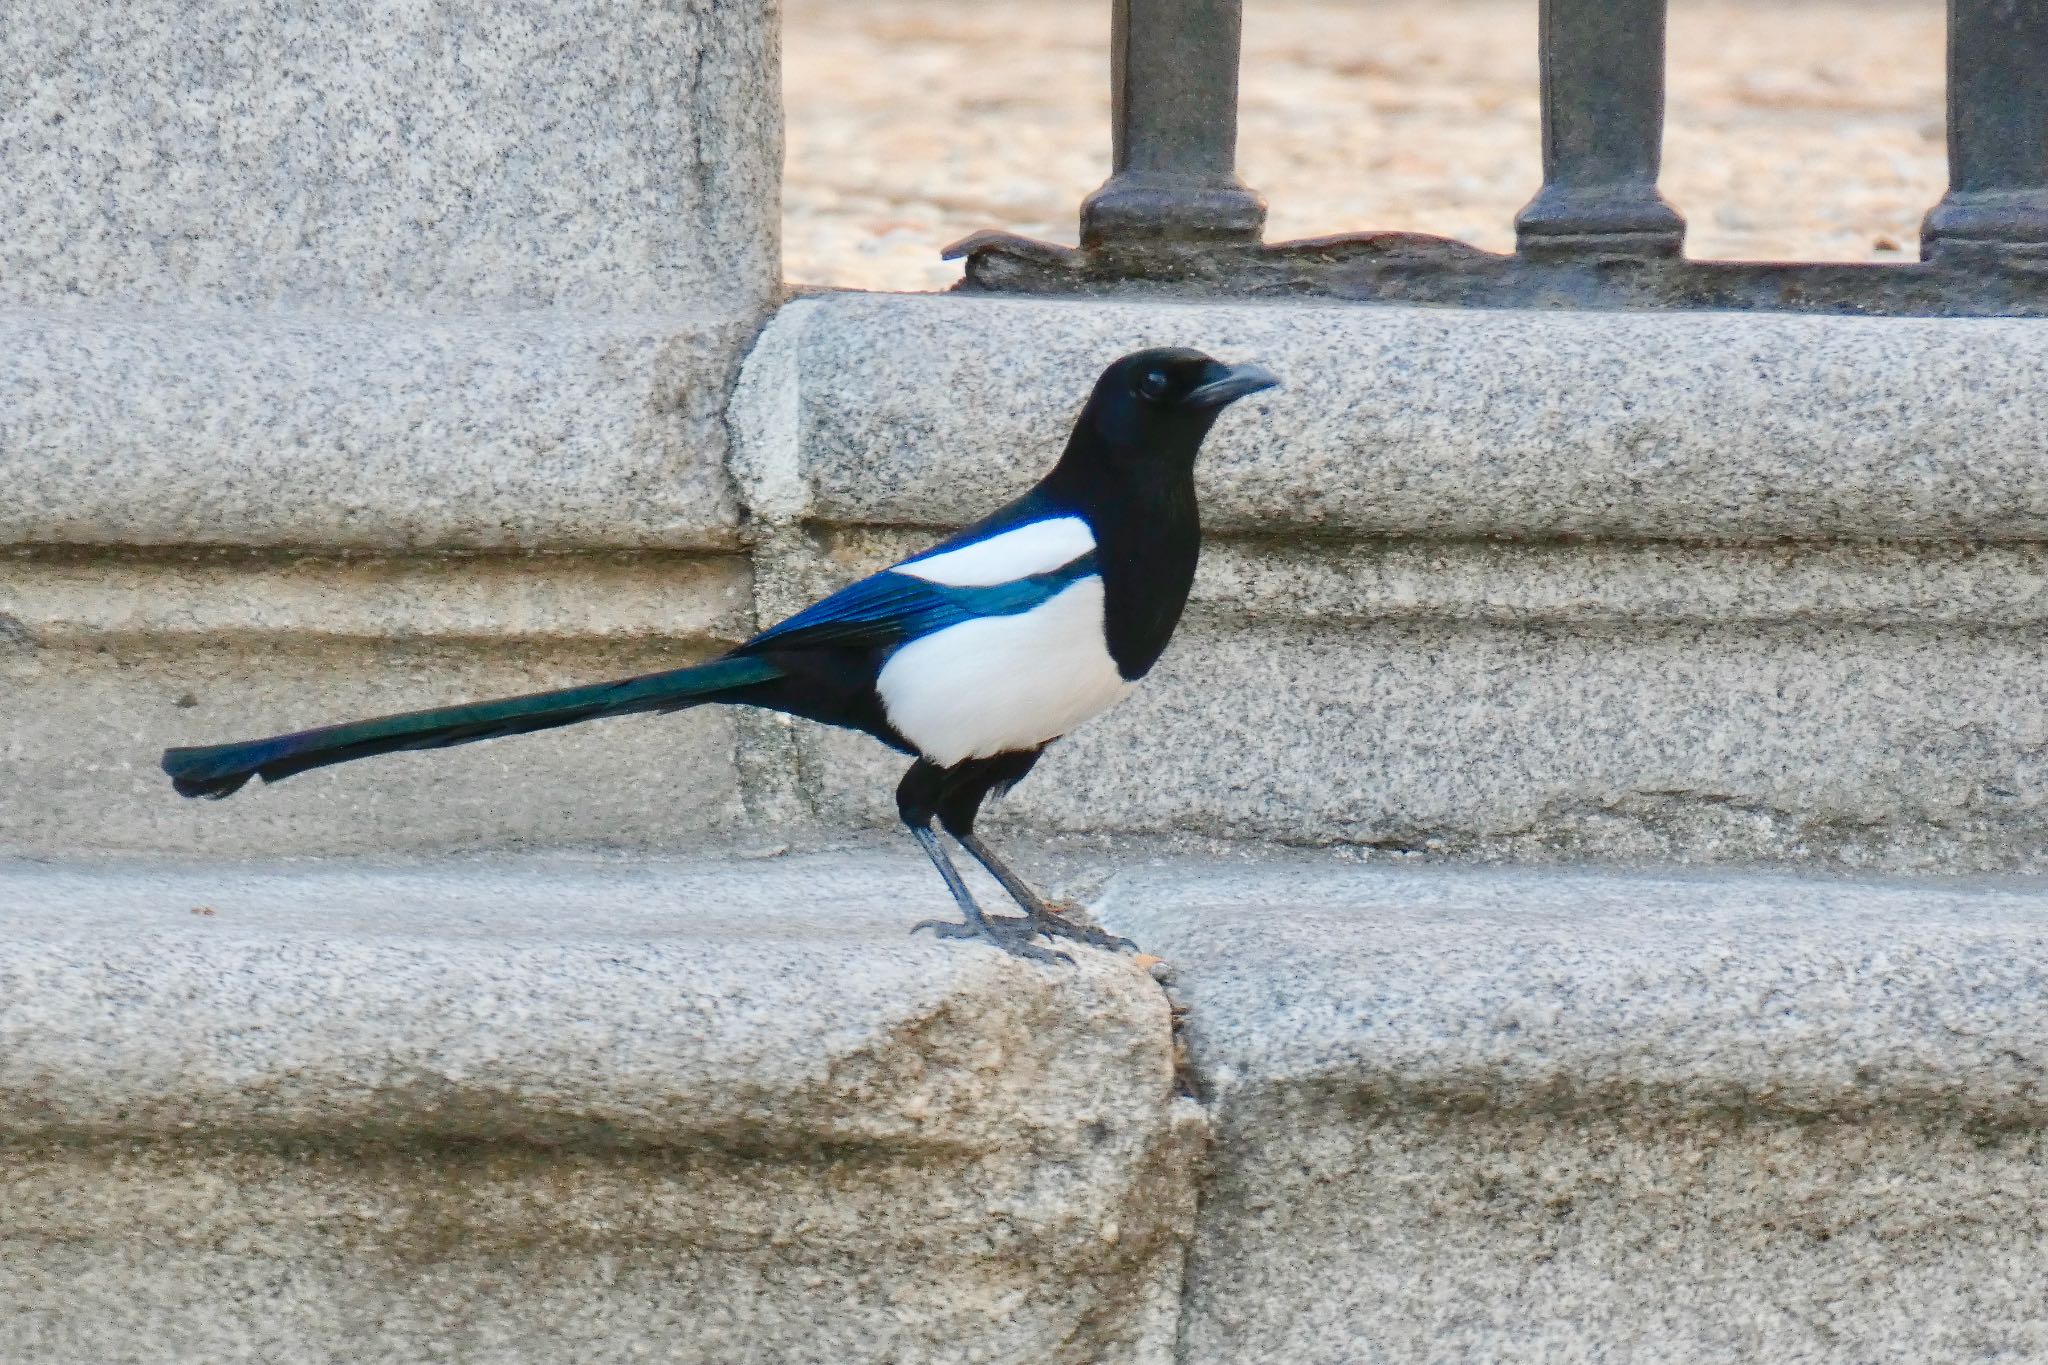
1553, 991
772, 1004
636, 1000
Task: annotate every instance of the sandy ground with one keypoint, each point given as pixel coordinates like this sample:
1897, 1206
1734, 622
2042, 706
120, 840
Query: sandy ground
1806, 129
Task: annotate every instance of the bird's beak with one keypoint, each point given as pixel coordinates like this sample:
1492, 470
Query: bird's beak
1228, 383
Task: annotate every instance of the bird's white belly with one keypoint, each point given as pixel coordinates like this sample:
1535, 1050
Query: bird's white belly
1002, 683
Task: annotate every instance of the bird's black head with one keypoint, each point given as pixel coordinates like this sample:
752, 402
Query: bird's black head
1136, 439
1129, 469
1161, 403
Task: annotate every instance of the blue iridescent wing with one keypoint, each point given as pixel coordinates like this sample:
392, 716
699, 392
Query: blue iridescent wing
889, 609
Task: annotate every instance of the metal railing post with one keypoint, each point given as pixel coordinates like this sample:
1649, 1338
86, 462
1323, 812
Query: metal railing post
1997, 202
1603, 133
1174, 218
1173, 73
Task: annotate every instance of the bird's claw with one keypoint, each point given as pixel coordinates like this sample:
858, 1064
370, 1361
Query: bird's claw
945, 928
1011, 934
1053, 925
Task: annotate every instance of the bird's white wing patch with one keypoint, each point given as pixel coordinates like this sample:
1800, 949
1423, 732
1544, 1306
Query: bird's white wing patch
1033, 548
1003, 683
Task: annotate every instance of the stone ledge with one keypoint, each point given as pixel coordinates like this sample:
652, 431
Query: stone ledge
330, 432
1860, 747
719, 1111
90, 598
110, 657
1559, 991
727, 1109
1354, 584
927, 410
1634, 588
1544, 1116
743, 1001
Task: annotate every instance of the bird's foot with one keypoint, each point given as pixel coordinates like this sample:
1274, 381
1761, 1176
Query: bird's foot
1050, 922
1011, 933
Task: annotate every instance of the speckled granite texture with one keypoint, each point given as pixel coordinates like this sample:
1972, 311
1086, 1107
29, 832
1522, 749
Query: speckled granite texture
436, 286
925, 410
366, 156
105, 662
373, 276
525, 431
1523, 1117
724, 1112
727, 1109
1842, 746
1495, 585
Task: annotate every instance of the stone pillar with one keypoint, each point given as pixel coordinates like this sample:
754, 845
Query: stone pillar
335, 291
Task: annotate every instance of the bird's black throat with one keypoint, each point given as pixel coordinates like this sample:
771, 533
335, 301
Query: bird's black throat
1147, 549
1148, 537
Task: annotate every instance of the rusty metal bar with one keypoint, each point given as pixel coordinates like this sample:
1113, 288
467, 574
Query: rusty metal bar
1174, 219
1173, 74
1603, 133
1997, 202
1400, 267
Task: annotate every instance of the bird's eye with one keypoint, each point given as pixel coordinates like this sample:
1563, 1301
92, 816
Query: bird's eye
1153, 385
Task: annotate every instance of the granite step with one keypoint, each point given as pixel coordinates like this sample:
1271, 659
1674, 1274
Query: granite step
727, 1109
1540, 1115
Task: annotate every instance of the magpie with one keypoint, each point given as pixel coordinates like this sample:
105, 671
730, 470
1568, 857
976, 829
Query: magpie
970, 657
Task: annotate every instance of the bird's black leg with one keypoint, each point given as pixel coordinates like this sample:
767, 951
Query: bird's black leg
965, 787
1041, 916
1013, 936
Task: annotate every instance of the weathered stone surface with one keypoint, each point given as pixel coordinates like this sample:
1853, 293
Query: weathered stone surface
545, 1111
93, 598
531, 431
729, 1110
349, 154
364, 276
1530, 1116
1360, 665
105, 661
928, 410
1867, 706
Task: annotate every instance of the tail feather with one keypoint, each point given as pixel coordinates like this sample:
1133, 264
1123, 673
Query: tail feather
222, 769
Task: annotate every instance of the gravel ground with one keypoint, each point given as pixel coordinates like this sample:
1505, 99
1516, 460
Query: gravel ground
1808, 129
